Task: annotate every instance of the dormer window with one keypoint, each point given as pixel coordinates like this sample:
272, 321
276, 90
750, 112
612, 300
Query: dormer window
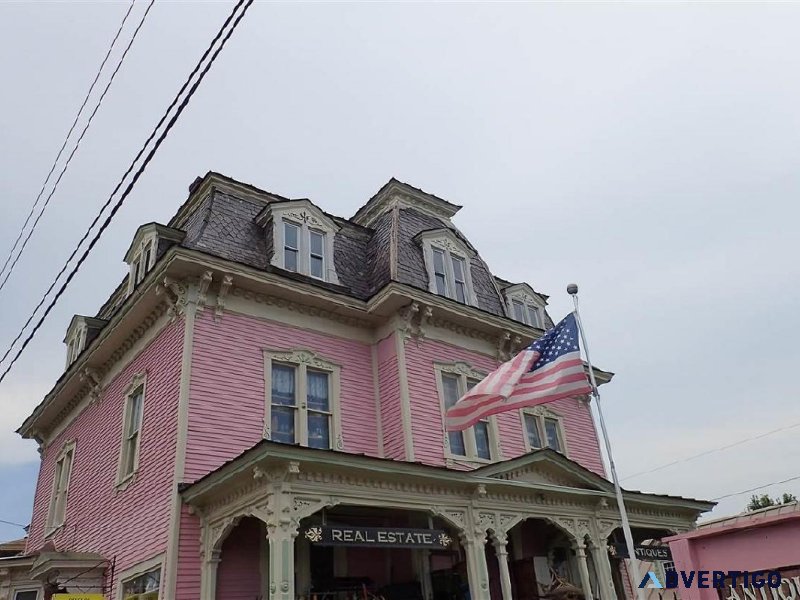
303, 238
81, 331
525, 305
143, 259
143, 251
447, 259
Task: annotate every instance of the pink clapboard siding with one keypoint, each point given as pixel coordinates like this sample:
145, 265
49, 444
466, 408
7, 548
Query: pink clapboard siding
389, 393
582, 444
127, 525
226, 408
239, 572
187, 584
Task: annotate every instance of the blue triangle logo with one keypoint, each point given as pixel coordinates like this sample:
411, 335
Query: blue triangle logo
653, 581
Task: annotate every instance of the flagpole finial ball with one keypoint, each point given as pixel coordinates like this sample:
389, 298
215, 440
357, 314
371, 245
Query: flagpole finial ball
572, 289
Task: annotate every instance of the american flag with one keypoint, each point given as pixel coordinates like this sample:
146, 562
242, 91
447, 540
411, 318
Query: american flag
549, 369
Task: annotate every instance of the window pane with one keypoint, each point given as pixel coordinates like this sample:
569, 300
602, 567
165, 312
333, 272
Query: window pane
458, 269
532, 427
290, 259
482, 439
283, 385
461, 292
147, 582
29, 595
438, 271
316, 242
533, 314
131, 452
318, 430
519, 310
283, 424
450, 389
551, 430
318, 391
316, 266
290, 233
456, 439
135, 412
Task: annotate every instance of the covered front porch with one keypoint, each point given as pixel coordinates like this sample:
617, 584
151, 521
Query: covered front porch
286, 522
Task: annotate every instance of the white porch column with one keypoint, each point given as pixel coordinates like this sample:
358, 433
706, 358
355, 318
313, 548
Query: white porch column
583, 567
281, 561
501, 551
208, 576
477, 571
602, 565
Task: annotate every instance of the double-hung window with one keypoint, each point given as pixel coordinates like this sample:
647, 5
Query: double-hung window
543, 430
291, 246
58, 500
303, 400
304, 250
450, 274
526, 309
316, 254
131, 430
478, 442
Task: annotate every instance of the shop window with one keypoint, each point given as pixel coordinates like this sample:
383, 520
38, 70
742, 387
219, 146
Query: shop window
302, 406
58, 499
543, 429
478, 443
142, 587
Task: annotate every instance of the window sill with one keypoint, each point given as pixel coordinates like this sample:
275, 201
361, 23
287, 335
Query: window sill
123, 483
451, 459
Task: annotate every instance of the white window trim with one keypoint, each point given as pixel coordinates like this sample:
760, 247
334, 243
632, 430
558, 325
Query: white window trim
523, 293
150, 238
51, 526
307, 217
125, 479
464, 372
304, 360
541, 413
78, 335
141, 568
23, 589
451, 246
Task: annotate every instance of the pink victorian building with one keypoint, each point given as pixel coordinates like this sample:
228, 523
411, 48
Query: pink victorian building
256, 413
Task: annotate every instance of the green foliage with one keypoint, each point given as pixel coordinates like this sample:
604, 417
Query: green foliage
763, 501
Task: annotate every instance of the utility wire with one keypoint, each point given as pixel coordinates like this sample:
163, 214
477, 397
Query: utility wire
66, 139
129, 188
713, 450
75, 149
121, 181
4, 522
757, 488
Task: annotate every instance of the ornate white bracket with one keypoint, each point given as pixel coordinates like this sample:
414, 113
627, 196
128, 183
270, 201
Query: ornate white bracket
92, 376
176, 296
222, 295
202, 291
508, 346
415, 319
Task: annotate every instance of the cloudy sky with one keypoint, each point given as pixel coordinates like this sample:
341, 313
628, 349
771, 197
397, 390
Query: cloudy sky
647, 151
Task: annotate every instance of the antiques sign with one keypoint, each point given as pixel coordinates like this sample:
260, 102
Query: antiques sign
645, 553
383, 537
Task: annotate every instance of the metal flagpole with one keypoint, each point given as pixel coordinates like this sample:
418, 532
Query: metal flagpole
572, 290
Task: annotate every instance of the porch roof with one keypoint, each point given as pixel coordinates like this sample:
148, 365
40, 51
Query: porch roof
573, 479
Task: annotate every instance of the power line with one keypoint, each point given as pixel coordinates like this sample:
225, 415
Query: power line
148, 158
119, 185
4, 522
66, 139
756, 488
713, 450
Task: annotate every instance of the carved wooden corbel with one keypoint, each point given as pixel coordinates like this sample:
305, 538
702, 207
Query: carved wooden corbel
91, 376
415, 319
222, 295
202, 293
503, 343
176, 296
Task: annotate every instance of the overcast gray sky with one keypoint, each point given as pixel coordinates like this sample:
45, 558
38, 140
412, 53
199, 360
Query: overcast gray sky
647, 151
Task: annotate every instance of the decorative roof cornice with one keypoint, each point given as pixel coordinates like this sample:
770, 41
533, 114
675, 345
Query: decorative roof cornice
396, 193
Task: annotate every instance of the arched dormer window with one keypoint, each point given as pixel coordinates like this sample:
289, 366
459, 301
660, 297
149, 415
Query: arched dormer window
525, 305
447, 261
302, 238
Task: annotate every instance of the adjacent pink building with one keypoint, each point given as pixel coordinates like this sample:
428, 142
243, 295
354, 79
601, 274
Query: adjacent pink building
256, 412
764, 540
